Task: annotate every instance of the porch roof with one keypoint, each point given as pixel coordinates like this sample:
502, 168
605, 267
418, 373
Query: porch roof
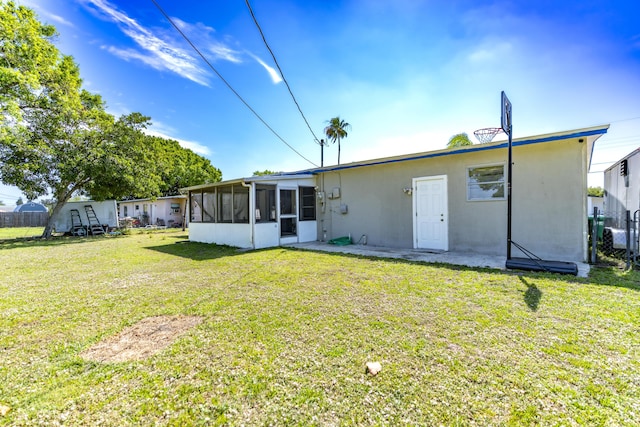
261, 178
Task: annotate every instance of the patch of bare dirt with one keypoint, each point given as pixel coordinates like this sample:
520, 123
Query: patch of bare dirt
142, 340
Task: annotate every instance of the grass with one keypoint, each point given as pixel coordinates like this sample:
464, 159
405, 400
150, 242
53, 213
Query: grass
20, 232
286, 335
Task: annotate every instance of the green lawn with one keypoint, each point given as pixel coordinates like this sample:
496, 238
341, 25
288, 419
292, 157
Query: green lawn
286, 334
20, 232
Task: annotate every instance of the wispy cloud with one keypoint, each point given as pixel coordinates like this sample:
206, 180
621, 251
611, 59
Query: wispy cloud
202, 36
490, 52
60, 20
43, 12
163, 55
167, 54
161, 130
275, 76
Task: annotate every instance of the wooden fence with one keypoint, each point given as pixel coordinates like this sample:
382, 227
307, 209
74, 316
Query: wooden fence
23, 219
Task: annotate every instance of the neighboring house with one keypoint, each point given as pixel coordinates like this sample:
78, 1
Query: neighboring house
594, 202
168, 211
622, 190
31, 207
446, 200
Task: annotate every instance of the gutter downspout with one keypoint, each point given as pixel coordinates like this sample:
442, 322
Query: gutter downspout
252, 215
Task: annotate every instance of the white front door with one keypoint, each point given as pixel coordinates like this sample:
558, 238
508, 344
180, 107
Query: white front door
430, 214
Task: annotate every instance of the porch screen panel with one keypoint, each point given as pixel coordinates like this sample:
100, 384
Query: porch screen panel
209, 205
287, 202
240, 204
225, 204
196, 206
265, 203
288, 213
307, 203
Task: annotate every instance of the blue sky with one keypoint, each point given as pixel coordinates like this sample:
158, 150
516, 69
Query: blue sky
406, 74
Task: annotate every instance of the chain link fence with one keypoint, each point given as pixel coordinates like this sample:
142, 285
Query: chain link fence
615, 235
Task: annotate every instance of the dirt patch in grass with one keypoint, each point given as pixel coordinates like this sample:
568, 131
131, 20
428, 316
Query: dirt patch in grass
142, 340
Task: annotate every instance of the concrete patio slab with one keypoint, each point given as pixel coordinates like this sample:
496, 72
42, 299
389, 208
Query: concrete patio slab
468, 259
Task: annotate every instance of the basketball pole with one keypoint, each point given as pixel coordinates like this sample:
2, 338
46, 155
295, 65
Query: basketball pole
507, 126
509, 194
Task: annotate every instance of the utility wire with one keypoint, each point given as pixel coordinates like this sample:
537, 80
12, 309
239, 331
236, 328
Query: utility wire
264, 39
168, 18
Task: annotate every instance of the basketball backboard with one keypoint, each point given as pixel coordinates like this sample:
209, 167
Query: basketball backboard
505, 118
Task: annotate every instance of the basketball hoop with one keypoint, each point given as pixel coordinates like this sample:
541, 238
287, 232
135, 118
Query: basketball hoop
487, 134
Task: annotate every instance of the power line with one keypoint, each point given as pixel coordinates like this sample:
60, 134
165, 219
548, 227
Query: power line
625, 120
264, 39
168, 18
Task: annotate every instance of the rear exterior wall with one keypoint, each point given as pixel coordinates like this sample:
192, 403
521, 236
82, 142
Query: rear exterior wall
549, 202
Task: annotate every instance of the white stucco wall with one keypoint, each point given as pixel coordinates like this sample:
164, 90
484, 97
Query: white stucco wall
238, 235
549, 202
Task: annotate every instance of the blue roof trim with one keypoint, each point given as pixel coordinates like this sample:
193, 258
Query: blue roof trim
600, 131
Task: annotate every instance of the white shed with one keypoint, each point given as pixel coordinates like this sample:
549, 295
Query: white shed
622, 189
105, 211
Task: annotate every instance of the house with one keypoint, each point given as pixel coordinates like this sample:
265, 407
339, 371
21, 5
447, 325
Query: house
31, 207
594, 202
165, 211
622, 190
445, 200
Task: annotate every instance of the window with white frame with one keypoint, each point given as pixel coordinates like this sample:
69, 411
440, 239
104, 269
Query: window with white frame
486, 182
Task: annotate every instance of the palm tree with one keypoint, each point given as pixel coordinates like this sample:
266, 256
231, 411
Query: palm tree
459, 140
337, 130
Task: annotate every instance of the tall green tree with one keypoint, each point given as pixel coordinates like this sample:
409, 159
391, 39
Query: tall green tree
595, 191
180, 167
459, 140
336, 130
29, 62
56, 137
264, 172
